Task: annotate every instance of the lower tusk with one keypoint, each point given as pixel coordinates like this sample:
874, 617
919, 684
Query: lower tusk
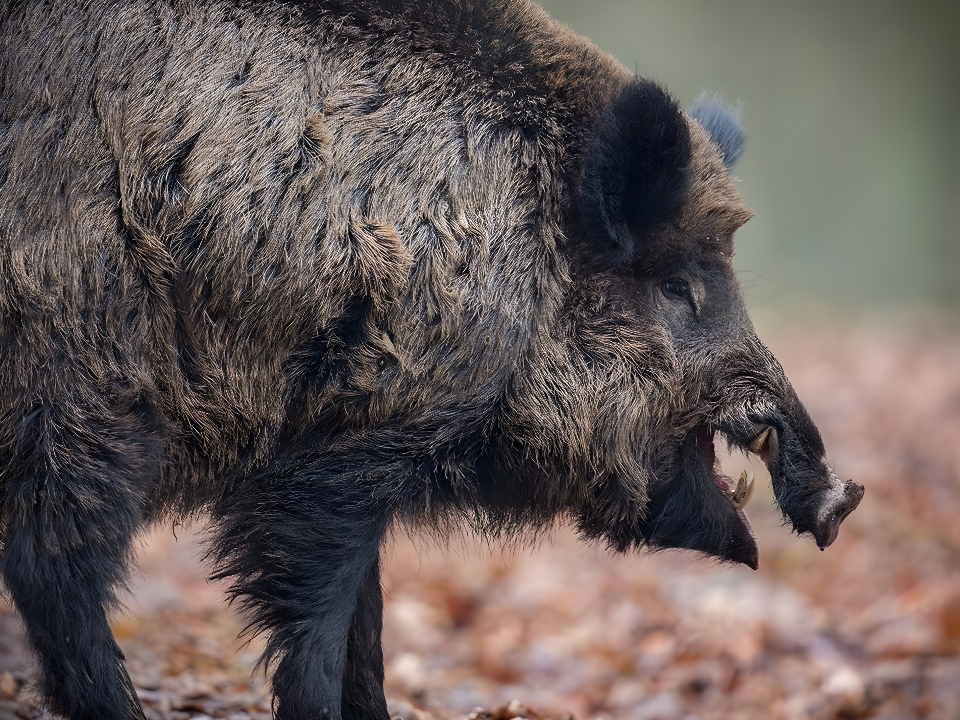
744, 490
757, 445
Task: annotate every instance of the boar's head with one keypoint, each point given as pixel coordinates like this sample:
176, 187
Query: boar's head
662, 353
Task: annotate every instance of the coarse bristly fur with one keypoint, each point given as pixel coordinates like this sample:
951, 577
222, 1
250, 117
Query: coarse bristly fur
317, 269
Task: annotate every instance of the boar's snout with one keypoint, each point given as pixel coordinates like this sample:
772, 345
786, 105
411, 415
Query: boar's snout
808, 491
838, 502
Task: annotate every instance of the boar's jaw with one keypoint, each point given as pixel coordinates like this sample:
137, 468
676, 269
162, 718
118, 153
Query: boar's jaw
697, 509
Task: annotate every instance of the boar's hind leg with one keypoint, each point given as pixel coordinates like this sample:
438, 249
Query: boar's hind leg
302, 553
70, 512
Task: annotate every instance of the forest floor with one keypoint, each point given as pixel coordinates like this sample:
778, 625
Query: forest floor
869, 628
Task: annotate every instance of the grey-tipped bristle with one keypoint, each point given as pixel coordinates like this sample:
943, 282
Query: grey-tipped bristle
722, 121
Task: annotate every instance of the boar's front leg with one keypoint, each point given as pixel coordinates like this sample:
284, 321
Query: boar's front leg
302, 549
71, 507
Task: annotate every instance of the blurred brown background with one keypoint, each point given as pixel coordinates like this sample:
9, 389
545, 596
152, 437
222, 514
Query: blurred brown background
851, 271
852, 112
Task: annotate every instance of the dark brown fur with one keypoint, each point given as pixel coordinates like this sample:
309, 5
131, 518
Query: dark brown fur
315, 268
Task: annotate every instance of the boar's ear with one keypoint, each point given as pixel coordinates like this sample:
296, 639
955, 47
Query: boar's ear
722, 122
635, 169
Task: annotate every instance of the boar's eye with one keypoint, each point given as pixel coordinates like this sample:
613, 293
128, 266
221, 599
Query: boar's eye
676, 287
678, 290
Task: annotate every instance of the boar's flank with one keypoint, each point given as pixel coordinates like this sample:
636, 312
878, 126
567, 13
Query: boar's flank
314, 268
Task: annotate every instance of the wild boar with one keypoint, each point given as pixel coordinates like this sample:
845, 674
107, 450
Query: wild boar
315, 268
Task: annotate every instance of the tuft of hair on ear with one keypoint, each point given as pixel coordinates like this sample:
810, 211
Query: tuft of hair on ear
722, 121
635, 169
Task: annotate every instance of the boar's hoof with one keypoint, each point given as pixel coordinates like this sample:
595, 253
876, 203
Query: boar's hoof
839, 503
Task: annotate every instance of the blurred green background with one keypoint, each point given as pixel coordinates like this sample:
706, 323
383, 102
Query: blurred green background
852, 115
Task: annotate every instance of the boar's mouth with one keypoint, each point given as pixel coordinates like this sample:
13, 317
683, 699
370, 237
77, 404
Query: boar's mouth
739, 491
702, 510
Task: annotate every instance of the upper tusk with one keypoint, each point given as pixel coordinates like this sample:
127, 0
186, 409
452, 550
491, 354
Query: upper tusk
743, 492
757, 445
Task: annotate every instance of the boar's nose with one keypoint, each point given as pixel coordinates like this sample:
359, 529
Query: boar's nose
841, 499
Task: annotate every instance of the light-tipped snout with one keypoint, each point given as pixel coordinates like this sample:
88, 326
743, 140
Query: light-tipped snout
836, 503
807, 489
